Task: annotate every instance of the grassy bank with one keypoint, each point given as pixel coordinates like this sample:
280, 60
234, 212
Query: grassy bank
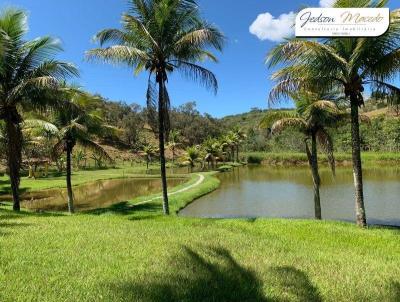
341, 158
135, 254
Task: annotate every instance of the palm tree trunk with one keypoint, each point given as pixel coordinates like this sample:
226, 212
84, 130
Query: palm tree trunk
14, 158
357, 165
69, 184
315, 176
161, 139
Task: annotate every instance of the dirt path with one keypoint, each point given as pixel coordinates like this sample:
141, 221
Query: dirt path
198, 182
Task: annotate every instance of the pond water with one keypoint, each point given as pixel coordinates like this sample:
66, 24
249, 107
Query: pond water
98, 194
286, 192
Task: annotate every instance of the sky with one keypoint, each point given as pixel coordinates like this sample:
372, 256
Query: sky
252, 28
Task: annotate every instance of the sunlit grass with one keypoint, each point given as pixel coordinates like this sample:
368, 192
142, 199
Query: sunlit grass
135, 255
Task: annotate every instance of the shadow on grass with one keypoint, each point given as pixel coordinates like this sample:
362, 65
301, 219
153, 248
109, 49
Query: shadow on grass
294, 283
215, 276
395, 290
125, 208
198, 280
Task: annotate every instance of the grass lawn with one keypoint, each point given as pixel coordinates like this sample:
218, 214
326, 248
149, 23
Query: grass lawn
133, 253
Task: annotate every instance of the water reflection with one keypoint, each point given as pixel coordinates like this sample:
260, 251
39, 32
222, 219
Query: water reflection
287, 192
95, 195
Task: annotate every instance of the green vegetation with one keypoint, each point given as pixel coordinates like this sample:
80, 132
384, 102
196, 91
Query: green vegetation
29, 78
136, 254
130, 251
160, 37
343, 67
295, 158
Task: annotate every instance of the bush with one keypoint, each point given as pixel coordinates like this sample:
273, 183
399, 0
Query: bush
254, 159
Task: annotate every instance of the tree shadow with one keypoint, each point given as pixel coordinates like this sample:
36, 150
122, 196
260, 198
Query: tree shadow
294, 283
216, 276
395, 292
199, 279
126, 208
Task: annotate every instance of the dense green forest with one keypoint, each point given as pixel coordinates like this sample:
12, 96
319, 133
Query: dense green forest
380, 130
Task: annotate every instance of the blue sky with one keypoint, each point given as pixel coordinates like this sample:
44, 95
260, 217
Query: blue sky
242, 75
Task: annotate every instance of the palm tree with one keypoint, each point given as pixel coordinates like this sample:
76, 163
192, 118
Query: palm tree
192, 154
311, 118
347, 64
148, 152
231, 141
241, 136
79, 123
161, 36
28, 72
213, 151
173, 143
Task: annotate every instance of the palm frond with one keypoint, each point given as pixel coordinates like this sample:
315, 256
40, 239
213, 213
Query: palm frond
118, 54
284, 123
95, 148
41, 124
271, 117
198, 73
326, 143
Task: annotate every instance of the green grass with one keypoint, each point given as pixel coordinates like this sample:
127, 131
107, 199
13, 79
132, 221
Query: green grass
137, 255
298, 158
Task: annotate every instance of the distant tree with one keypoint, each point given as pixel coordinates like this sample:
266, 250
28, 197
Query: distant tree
148, 151
192, 155
173, 144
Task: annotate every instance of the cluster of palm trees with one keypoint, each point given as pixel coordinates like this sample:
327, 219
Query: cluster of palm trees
214, 150
36, 102
345, 66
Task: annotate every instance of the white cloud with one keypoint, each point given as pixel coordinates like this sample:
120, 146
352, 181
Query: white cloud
326, 3
267, 27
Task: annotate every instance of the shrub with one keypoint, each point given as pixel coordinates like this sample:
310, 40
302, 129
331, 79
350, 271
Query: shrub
254, 159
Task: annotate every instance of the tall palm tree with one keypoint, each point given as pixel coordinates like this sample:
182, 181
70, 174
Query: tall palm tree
28, 71
161, 36
311, 118
79, 123
348, 64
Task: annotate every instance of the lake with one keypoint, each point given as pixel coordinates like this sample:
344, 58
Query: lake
286, 192
98, 194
